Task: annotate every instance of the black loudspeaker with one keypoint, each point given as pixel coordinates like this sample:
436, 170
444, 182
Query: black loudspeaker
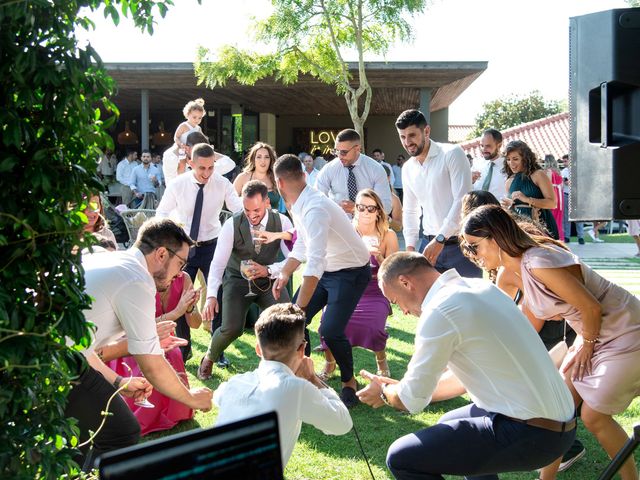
604, 115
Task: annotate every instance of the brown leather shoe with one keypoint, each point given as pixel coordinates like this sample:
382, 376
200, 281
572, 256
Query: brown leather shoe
204, 370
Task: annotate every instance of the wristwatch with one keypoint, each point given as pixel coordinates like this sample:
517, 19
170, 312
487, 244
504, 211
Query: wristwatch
383, 397
440, 238
269, 273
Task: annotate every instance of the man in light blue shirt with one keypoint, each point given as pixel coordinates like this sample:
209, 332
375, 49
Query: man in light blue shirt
343, 177
145, 179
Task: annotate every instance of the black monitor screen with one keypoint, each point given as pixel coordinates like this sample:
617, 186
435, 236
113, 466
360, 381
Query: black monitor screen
248, 449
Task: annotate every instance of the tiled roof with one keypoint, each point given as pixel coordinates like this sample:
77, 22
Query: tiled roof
459, 133
548, 135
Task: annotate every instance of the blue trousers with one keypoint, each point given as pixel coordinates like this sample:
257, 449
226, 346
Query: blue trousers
566, 225
340, 292
476, 444
451, 257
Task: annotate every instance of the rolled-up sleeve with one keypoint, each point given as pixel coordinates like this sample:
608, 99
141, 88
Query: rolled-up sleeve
323, 409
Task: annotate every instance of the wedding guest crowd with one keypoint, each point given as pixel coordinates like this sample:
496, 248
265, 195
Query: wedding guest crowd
335, 224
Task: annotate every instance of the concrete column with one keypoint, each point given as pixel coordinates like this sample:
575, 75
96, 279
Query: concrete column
440, 125
267, 122
425, 103
144, 119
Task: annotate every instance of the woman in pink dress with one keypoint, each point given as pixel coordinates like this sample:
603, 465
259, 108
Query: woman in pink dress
553, 172
602, 368
366, 327
179, 300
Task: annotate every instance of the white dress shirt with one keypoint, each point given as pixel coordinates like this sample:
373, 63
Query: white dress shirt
397, 174
124, 300
311, 177
392, 175
326, 238
273, 386
224, 249
179, 200
437, 186
124, 171
477, 331
498, 177
332, 180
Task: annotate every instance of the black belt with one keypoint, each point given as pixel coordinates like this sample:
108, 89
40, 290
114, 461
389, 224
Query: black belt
548, 424
350, 269
206, 243
449, 241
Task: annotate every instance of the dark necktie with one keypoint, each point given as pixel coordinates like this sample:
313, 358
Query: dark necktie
352, 186
197, 213
487, 180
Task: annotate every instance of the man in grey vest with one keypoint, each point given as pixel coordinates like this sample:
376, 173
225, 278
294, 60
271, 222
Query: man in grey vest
235, 244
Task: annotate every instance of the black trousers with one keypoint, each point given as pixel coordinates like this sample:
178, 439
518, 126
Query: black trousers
199, 259
452, 257
476, 444
340, 292
85, 402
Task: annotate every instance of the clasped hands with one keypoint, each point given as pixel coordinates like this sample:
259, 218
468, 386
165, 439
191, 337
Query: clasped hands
371, 394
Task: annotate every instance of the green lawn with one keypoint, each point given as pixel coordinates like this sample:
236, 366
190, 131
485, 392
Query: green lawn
318, 456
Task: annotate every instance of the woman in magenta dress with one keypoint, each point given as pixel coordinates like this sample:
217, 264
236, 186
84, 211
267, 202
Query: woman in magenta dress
366, 327
602, 368
179, 300
553, 172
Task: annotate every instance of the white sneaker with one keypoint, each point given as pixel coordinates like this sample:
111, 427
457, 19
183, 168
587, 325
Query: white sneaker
592, 235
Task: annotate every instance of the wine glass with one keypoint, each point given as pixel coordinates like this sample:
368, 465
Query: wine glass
245, 271
372, 243
144, 403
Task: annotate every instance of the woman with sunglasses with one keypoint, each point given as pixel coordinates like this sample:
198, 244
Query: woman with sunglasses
366, 327
96, 222
602, 368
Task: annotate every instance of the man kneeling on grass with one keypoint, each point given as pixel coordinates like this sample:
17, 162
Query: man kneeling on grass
285, 381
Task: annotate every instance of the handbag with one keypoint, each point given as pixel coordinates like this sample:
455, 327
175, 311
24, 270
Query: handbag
560, 349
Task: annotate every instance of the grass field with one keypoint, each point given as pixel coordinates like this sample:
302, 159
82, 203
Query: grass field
318, 456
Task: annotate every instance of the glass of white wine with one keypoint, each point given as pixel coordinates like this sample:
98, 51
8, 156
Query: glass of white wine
245, 271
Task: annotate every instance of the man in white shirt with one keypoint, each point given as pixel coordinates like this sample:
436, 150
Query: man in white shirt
488, 175
434, 180
522, 415
397, 174
239, 241
123, 175
310, 172
378, 156
123, 287
566, 190
337, 264
284, 382
195, 200
343, 177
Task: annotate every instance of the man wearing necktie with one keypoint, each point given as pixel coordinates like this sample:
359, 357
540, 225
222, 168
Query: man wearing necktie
350, 172
490, 176
237, 243
196, 199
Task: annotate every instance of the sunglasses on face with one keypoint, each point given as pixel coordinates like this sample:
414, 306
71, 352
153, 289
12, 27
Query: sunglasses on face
472, 248
368, 208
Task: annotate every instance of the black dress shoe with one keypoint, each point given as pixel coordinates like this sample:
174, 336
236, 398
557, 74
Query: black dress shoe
349, 397
223, 362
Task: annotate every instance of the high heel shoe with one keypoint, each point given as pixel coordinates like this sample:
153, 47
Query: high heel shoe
328, 371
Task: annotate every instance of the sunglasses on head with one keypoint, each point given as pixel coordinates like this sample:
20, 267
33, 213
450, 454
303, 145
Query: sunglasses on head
368, 208
472, 248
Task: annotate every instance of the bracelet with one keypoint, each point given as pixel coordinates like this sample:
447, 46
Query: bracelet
190, 311
384, 397
585, 340
116, 382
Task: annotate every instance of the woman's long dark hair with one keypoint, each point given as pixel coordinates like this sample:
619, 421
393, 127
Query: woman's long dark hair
529, 160
494, 222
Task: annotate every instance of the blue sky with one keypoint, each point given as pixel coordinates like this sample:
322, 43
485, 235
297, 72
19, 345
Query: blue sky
524, 41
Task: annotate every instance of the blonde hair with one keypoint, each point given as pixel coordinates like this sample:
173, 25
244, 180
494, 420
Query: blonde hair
197, 104
382, 222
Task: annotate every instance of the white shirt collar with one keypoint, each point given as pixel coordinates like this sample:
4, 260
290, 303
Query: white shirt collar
267, 366
442, 280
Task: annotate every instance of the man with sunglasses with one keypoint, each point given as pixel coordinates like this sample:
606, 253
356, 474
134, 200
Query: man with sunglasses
123, 287
336, 272
434, 180
351, 171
